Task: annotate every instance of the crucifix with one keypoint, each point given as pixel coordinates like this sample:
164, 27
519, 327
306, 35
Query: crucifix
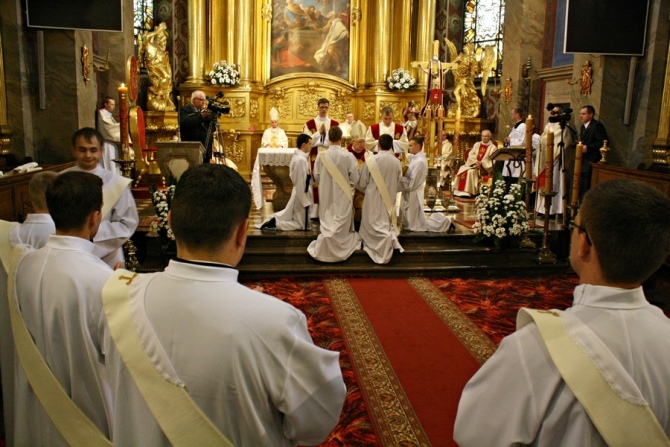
435, 69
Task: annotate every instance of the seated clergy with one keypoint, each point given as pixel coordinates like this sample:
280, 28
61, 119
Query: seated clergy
274, 136
296, 214
446, 158
470, 173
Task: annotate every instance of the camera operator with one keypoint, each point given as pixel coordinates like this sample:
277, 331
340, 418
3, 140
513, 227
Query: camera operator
592, 135
196, 123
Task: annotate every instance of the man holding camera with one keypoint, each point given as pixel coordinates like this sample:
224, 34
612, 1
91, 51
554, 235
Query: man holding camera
195, 120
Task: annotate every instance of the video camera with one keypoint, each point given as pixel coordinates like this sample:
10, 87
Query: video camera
220, 108
563, 117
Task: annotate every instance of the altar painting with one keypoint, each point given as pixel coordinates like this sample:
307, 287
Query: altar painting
310, 36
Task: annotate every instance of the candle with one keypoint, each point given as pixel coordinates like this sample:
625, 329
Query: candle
123, 120
529, 149
574, 200
549, 170
436, 47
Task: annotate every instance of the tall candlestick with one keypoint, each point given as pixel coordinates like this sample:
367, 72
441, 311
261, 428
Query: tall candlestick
123, 118
436, 47
549, 170
457, 133
529, 148
574, 200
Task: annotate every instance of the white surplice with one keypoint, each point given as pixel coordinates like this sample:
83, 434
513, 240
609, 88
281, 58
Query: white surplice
517, 137
276, 135
522, 395
293, 217
400, 145
58, 289
118, 225
412, 186
377, 232
337, 239
34, 231
111, 132
245, 358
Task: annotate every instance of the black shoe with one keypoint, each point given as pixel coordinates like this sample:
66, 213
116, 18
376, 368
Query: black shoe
272, 223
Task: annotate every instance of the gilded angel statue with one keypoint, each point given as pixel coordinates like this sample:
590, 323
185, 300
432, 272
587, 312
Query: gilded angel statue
466, 67
157, 61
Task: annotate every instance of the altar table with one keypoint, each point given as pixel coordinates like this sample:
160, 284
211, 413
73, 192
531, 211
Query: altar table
275, 162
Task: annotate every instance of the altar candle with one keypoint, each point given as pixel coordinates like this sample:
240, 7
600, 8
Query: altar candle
436, 47
574, 200
123, 118
529, 148
549, 172
457, 133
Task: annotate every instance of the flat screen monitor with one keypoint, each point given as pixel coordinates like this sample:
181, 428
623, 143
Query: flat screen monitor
615, 27
98, 15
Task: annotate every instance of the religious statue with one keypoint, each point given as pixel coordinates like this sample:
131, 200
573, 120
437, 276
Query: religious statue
507, 91
586, 80
466, 67
157, 61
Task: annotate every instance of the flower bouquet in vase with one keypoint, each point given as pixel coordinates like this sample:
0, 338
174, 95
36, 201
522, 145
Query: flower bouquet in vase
159, 227
224, 74
400, 79
501, 216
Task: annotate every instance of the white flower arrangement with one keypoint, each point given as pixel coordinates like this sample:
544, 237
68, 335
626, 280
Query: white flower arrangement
162, 202
500, 214
224, 74
400, 80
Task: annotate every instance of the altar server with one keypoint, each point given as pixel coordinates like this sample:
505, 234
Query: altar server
119, 214
244, 359
58, 290
336, 171
412, 185
296, 214
379, 180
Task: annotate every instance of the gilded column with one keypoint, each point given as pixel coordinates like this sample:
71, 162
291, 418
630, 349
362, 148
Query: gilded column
217, 34
425, 34
244, 39
380, 50
197, 49
661, 147
402, 34
360, 14
263, 40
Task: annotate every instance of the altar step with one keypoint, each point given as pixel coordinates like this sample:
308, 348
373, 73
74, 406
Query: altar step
277, 254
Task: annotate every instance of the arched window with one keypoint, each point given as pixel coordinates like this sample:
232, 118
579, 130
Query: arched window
143, 21
484, 24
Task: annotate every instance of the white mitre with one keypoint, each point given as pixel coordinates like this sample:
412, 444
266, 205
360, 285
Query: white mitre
357, 130
274, 114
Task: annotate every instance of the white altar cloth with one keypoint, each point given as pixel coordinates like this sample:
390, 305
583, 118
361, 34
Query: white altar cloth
267, 157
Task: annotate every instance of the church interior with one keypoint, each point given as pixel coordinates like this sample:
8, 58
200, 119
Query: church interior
279, 55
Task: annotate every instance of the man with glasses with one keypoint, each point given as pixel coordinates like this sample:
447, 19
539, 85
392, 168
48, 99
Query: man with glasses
609, 351
194, 123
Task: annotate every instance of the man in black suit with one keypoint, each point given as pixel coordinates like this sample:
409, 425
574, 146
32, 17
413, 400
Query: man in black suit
194, 123
592, 135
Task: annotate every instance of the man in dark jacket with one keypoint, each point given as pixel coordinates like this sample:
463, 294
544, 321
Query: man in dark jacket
592, 135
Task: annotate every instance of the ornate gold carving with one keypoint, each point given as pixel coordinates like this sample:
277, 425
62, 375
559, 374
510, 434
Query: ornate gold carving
85, 63
507, 90
266, 12
340, 103
233, 149
253, 108
157, 61
280, 100
99, 64
355, 15
237, 107
369, 111
309, 99
585, 81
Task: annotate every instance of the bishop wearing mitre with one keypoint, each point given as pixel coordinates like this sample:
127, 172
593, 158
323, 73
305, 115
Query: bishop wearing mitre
274, 136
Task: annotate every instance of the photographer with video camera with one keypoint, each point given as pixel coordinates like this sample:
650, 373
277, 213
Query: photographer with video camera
198, 120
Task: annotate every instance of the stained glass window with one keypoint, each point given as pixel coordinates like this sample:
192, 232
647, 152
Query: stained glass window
483, 25
143, 21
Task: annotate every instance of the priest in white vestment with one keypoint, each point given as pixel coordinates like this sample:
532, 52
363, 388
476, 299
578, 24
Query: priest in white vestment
336, 172
621, 340
540, 167
274, 136
35, 232
387, 127
245, 358
446, 159
110, 129
378, 230
516, 138
346, 126
120, 222
469, 175
412, 185
296, 214
58, 289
